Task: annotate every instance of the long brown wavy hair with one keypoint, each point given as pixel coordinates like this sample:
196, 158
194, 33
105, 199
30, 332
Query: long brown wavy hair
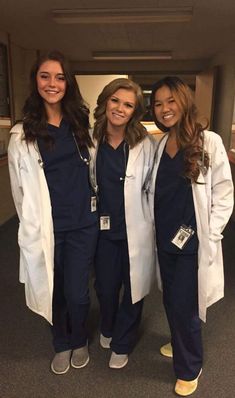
135, 131
74, 110
190, 131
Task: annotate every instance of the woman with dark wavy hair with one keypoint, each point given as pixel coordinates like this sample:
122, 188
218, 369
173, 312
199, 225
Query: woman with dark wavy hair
49, 170
125, 253
192, 198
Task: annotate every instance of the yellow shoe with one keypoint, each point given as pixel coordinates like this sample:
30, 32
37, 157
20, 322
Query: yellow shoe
185, 388
166, 350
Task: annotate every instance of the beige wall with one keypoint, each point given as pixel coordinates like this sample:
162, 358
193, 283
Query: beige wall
21, 63
7, 209
204, 92
91, 86
232, 164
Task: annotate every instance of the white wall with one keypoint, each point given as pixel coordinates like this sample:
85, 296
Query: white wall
91, 86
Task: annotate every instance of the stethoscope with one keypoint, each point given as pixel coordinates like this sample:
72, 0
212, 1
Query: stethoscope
125, 162
148, 179
84, 159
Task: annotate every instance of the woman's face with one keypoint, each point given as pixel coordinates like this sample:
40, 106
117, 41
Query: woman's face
120, 108
51, 82
166, 110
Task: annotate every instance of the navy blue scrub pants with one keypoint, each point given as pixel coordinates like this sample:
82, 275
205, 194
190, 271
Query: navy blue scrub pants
179, 274
119, 318
74, 253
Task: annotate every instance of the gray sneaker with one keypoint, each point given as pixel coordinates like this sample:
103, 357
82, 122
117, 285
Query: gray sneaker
61, 362
118, 361
105, 341
80, 357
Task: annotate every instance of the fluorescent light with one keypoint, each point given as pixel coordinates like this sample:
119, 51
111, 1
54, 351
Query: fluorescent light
130, 55
120, 15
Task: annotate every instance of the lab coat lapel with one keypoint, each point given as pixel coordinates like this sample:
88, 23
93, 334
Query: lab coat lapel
133, 155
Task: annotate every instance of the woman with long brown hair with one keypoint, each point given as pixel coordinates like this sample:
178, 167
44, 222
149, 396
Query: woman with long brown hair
49, 169
192, 197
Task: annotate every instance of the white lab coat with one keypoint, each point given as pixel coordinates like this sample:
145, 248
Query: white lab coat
35, 236
213, 202
139, 225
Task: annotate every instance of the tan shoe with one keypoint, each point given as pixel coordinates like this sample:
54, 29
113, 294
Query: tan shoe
80, 357
185, 388
61, 362
105, 341
118, 361
166, 350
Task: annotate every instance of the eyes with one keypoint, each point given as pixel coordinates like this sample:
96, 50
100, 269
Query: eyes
47, 76
116, 100
170, 101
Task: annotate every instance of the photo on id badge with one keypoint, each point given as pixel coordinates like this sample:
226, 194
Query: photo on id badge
182, 236
104, 223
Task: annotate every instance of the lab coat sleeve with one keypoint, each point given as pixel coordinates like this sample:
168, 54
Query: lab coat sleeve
221, 189
14, 171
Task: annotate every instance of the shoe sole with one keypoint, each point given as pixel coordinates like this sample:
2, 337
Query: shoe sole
59, 373
119, 367
80, 366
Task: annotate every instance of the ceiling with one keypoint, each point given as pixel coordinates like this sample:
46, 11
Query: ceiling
193, 44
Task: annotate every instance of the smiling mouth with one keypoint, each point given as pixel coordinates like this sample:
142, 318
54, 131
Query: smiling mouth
52, 92
169, 116
117, 115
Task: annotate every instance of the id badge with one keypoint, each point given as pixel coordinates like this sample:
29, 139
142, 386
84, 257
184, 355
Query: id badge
93, 204
182, 236
104, 223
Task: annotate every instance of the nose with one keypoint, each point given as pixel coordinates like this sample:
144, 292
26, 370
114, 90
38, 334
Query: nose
52, 81
165, 107
119, 106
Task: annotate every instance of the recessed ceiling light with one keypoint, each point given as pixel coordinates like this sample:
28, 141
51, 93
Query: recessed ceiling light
131, 55
126, 15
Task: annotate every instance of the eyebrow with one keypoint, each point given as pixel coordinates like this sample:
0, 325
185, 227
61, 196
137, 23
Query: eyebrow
168, 98
127, 102
48, 73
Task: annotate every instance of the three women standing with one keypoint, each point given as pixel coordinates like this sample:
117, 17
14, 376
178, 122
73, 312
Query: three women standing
191, 194
49, 170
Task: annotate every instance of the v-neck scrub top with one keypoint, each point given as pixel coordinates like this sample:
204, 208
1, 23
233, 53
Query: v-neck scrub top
111, 169
173, 204
67, 177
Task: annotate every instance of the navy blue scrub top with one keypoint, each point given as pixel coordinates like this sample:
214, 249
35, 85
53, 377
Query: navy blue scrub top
173, 204
111, 169
67, 178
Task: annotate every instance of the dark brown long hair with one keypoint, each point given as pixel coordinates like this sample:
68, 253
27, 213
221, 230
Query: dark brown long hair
135, 131
74, 110
190, 131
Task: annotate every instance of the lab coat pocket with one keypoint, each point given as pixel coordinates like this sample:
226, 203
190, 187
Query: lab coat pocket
28, 234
